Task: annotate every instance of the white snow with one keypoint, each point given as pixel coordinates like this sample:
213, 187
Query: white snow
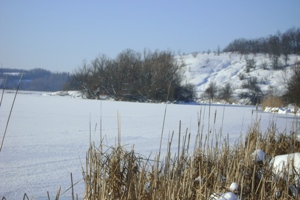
228, 196
234, 187
290, 109
259, 155
287, 165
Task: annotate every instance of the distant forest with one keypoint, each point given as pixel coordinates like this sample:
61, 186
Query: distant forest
279, 44
35, 79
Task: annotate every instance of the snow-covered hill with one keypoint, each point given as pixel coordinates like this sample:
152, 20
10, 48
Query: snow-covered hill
202, 69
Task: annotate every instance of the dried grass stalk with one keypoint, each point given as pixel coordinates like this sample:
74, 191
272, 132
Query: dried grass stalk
116, 173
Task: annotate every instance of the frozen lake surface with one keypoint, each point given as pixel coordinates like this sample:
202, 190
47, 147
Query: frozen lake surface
48, 136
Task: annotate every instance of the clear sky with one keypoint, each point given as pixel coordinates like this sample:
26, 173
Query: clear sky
58, 35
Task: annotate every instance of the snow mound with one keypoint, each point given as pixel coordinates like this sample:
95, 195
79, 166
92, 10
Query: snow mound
290, 109
259, 155
65, 93
287, 165
234, 187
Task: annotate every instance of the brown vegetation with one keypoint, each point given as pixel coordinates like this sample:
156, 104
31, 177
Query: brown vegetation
271, 101
133, 76
115, 173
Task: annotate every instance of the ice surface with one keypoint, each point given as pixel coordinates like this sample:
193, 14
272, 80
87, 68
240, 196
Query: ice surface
48, 135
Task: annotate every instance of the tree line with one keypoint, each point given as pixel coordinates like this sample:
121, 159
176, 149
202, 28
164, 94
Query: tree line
279, 44
35, 79
133, 76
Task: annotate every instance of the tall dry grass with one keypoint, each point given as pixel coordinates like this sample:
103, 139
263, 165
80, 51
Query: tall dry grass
271, 101
117, 173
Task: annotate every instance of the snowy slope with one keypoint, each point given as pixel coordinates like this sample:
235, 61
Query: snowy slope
202, 69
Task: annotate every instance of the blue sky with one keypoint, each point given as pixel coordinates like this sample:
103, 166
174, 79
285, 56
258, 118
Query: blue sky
58, 35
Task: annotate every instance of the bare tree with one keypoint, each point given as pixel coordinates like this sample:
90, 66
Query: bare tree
133, 76
276, 63
274, 45
83, 78
226, 92
254, 92
218, 50
293, 86
286, 43
211, 90
250, 64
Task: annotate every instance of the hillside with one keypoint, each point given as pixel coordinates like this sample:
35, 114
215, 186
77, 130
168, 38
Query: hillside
202, 69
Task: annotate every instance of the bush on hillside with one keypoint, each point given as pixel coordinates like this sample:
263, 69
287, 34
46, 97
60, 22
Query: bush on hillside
250, 64
254, 93
226, 92
293, 86
212, 90
276, 63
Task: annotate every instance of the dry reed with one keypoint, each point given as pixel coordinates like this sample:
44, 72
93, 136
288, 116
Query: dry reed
116, 173
272, 101
12, 106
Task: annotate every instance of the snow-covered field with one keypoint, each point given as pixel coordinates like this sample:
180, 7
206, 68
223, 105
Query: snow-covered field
48, 135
